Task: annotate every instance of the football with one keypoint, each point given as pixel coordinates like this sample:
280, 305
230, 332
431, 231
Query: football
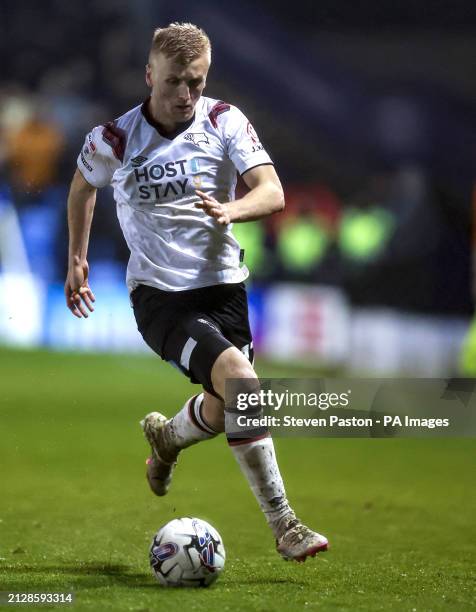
187, 552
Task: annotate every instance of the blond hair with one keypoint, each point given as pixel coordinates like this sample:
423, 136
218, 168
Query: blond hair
182, 41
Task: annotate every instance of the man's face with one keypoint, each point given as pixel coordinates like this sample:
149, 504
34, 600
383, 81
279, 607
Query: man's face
175, 87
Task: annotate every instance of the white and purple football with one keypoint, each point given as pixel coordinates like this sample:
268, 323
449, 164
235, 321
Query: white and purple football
187, 552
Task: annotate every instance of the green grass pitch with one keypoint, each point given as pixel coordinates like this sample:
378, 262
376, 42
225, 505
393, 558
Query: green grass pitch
76, 513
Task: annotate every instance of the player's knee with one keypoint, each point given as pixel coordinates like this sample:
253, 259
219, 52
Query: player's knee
232, 365
238, 366
242, 370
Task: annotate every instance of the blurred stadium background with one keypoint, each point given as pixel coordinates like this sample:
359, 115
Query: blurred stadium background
369, 113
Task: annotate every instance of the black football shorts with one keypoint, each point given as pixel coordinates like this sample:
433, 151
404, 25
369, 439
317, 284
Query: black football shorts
190, 329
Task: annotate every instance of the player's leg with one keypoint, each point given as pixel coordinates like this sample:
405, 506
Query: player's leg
257, 460
167, 437
204, 348
255, 456
168, 324
192, 344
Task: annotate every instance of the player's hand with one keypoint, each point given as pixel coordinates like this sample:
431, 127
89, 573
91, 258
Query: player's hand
79, 297
213, 208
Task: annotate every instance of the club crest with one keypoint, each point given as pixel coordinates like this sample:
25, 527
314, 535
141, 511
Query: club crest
197, 138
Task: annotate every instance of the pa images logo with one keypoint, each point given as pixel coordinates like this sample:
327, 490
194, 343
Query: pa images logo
197, 138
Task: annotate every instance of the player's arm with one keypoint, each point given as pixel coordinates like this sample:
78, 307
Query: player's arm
265, 198
81, 202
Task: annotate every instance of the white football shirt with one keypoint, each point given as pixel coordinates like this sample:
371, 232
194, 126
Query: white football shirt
174, 246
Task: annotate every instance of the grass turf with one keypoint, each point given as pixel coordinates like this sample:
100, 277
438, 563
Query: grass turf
76, 513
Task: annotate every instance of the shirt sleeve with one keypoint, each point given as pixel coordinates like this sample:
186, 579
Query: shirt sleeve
243, 145
101, 155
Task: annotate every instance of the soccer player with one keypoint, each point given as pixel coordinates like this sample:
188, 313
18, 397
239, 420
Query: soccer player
172, 162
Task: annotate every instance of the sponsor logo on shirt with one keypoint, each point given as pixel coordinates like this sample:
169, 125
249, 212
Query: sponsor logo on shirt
138, 161
255, 143
197, 138
162, 181
88, 152
92, 146
84, 162
196, 178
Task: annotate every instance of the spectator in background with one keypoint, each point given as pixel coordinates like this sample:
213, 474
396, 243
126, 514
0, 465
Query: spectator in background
32, 152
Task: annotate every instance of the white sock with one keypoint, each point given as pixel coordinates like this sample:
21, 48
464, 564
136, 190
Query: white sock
188, 427
257, 461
